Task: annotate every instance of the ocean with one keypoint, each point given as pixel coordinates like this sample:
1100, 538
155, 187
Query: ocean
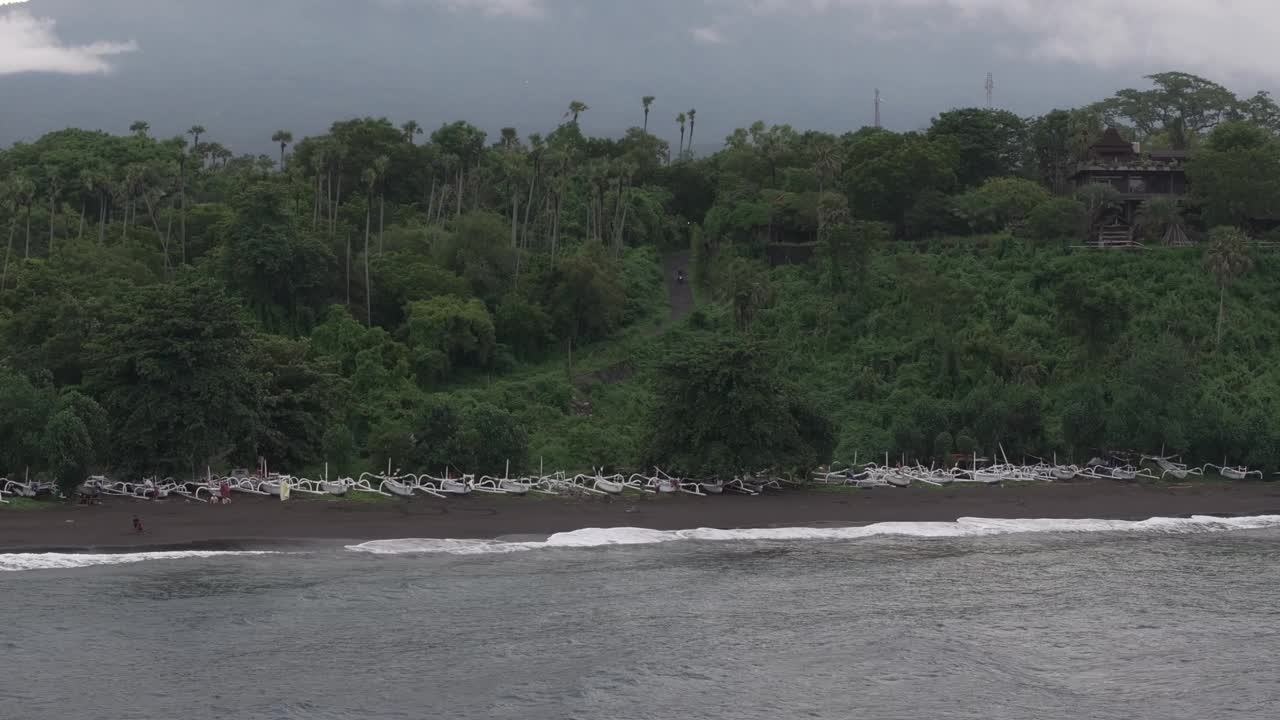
988, 620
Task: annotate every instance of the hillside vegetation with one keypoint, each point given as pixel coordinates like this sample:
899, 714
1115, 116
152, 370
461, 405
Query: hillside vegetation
380, 294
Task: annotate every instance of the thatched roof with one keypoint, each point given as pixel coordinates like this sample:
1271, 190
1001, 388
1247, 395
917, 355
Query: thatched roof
1112, 143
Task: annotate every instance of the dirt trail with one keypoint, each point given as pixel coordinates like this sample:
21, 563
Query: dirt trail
680, 298
680, 295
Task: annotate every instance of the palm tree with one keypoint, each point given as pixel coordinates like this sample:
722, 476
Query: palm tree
87, 182
1158, 217
98, 184
195, 131
510, 138
647, 101
370, 182
576, 108
8, 194
693, 115
681, 119
410, 129
826, 165
285, 138
140, 128
1227, 260
55, 194
380, 166
24, 193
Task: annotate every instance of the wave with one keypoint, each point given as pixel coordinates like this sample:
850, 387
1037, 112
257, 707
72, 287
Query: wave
13, 562
964, 527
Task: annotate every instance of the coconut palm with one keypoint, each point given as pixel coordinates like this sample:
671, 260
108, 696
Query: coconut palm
576, 108
647, 101
23, 189
410, 129
693, 116
195, 131
381, 166
140, 128
284, 138
1227, 260
53, 184
8, 196
370, 178
86, 182
682, 119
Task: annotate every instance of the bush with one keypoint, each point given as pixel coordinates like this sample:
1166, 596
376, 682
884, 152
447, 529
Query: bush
1057, 219
446, 332
1000, 202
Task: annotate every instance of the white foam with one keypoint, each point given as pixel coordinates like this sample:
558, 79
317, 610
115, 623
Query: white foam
964, 527
61, 561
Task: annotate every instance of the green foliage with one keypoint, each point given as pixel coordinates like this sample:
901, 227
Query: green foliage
479, 250
440, 433
586, 301
447, 332
1057, 219
1000, 202
1181, 105
1236, 178
721, 409
990, 143
173, 367
166, 305
888, 172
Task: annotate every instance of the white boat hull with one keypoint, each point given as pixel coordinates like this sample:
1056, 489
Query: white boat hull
397, 489
608, 486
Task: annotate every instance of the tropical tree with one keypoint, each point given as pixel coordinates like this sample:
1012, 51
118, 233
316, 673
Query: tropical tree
647, 102
370, 178
576, 108
140, 128
682, 119
381, 167
722, 408
23, 189
1181, 105
195, 131
990, 143
53, 185
693, 116
1158, 216
1227, 260
284, 138
10, 197
410, 129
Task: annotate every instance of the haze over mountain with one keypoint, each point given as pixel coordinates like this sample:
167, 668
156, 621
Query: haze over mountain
244, 69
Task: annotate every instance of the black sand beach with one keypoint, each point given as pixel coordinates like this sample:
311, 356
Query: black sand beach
258, 522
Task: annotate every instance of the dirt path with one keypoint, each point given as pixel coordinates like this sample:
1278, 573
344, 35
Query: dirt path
680, 295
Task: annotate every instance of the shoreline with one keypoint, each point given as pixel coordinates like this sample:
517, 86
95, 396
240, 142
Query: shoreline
252, 523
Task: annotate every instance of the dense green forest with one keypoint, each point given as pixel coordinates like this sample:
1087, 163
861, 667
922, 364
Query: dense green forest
446, 298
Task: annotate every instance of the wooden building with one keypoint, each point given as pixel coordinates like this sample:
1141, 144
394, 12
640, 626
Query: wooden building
1136, 175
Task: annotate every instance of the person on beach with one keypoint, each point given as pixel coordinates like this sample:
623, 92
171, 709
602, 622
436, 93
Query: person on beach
137, 525
224, 492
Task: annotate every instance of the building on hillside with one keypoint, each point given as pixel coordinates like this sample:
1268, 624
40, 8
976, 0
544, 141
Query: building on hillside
1137, 176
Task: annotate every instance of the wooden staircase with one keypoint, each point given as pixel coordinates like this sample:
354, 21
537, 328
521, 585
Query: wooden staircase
1117, 236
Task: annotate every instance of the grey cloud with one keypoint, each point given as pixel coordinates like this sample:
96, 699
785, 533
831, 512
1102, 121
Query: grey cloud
30, 44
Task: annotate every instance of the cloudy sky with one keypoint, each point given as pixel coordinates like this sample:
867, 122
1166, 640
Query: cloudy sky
244, 68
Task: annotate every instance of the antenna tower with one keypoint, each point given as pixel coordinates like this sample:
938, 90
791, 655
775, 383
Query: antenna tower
991, 87
877, 107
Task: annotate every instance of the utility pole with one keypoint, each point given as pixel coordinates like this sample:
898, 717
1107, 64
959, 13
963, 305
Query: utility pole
991, 87
877, 107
